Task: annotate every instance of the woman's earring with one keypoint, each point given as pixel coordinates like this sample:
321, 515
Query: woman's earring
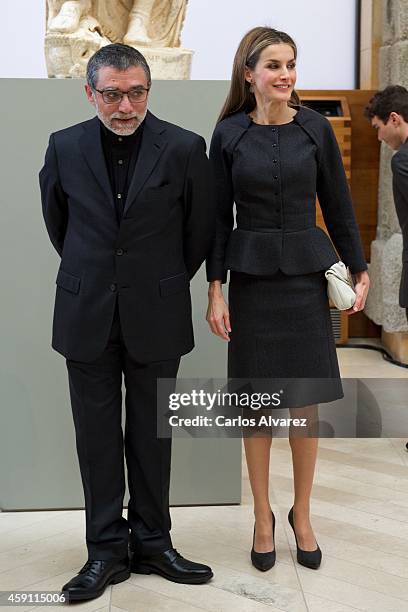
251, 89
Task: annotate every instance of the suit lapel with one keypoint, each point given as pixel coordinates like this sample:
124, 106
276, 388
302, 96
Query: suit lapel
91, 146
152, 146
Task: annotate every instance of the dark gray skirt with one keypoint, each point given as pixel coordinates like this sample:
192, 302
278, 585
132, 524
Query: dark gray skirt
281, 329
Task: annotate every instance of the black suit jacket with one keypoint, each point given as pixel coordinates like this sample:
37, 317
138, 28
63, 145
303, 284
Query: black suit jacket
147, 261
296, 245
399, 165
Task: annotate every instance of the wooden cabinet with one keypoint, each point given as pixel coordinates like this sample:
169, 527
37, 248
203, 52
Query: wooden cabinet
338, 113
360, 151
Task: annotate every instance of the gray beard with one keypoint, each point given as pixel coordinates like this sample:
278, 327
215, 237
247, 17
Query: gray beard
124, 131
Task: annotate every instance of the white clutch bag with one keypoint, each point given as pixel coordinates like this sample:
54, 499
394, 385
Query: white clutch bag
340, 286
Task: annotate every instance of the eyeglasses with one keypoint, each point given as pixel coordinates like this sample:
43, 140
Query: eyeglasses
113, 96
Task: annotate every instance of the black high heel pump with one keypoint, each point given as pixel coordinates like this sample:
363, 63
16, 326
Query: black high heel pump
308, 558
264, 561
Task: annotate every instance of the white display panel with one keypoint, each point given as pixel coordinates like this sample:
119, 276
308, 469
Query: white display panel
323, 30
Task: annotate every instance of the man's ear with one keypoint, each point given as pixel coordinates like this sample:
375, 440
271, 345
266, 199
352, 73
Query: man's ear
395, 118
90, 94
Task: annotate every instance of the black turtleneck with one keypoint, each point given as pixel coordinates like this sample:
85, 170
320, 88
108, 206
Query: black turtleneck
121, 153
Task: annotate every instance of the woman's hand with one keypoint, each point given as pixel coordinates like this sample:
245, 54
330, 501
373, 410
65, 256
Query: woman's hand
218, 312
361, 286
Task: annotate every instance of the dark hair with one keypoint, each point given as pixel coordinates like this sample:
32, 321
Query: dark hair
117, 56
240, 98
393, 98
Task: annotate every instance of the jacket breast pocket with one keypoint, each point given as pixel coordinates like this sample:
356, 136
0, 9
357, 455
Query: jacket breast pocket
156, 193
68, 281
174, 284
151, 207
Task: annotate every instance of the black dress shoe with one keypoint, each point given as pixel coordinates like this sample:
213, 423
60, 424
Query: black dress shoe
264, 561
171, 565
94, 577
308, 558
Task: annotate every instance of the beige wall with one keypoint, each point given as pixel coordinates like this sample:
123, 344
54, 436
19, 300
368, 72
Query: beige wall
370, 42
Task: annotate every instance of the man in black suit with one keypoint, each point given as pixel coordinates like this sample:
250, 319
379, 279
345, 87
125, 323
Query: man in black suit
128, 204
388, 112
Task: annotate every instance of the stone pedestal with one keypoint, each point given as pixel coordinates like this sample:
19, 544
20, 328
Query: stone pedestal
382, 305
67, 56
168, 63
396, 344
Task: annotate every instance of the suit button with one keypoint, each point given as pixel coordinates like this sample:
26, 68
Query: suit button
275, 177
274, 161
119, 252
112, 287
274, 144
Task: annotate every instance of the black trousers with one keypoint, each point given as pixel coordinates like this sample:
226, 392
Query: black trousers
96, 399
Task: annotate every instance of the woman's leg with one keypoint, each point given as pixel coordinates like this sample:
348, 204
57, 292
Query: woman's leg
257, 451
304, 452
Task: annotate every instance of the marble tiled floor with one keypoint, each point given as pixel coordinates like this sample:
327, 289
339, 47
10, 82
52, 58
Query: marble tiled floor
360, 517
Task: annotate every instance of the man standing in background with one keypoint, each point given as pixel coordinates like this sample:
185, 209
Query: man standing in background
388, 112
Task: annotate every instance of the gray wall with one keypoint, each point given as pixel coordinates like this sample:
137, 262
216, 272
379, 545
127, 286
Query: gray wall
38, 464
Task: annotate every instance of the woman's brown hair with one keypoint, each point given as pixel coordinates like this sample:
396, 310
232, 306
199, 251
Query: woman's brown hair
240, 98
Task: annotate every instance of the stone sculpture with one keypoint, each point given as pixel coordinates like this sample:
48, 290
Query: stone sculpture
77, 28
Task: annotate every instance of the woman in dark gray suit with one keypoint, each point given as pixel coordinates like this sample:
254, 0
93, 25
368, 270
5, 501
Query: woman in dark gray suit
271, 157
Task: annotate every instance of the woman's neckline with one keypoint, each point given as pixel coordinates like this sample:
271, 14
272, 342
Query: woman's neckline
272, 124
